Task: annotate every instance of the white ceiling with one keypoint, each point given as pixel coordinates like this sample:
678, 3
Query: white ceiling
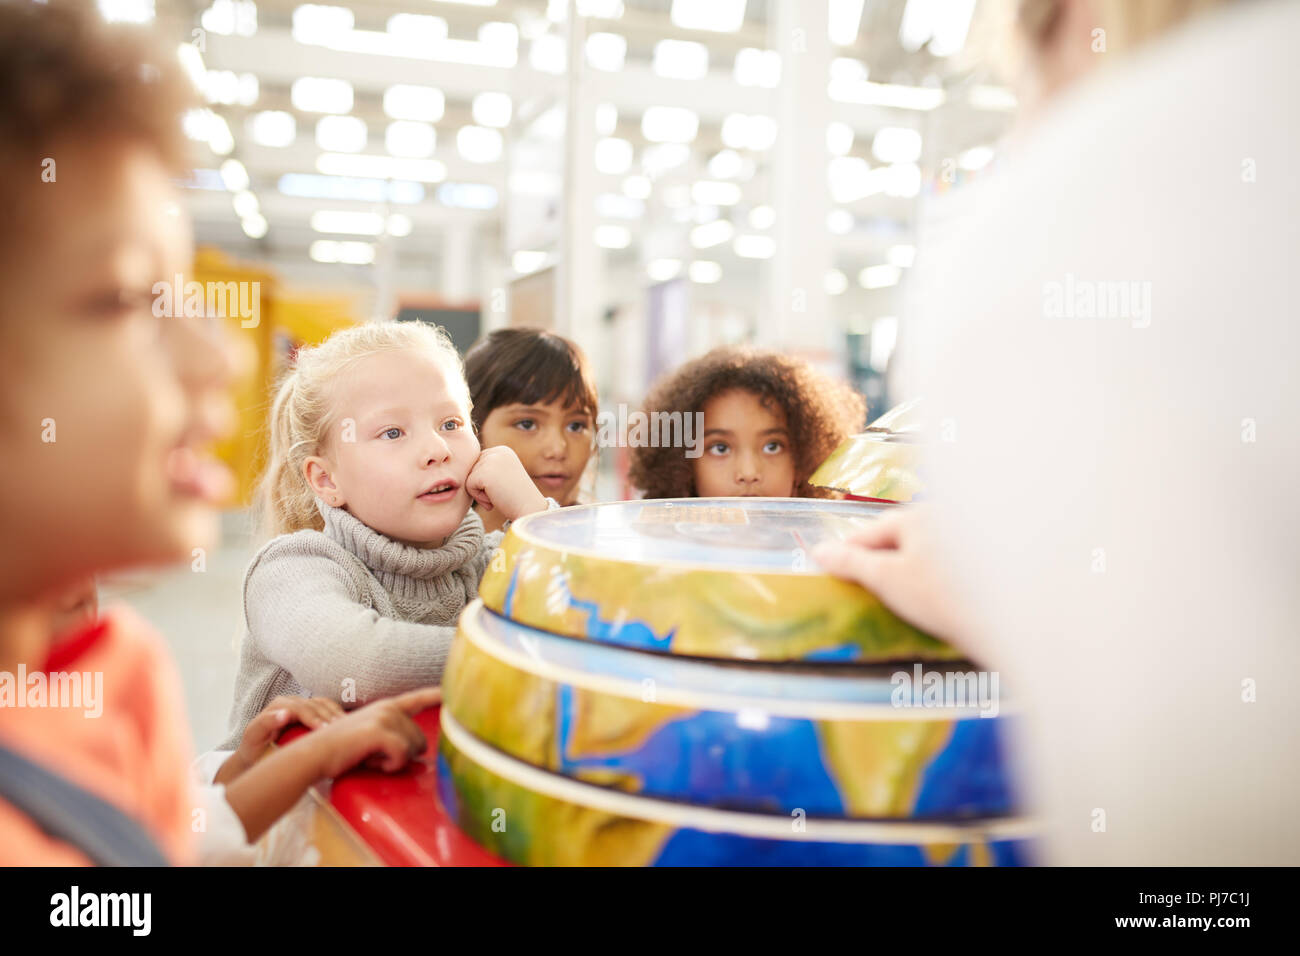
276, 58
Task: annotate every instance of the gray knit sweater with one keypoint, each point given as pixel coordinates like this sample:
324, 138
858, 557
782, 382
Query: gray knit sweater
350, 614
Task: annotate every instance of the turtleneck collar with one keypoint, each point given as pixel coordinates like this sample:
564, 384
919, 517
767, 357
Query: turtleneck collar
403, 569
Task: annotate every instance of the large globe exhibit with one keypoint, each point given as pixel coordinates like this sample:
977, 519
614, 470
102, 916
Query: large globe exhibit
676, 682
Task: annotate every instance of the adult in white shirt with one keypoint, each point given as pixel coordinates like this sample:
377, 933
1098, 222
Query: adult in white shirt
1116, 517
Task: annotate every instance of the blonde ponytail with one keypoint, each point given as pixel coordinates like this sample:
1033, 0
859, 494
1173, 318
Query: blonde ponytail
302, 412
287, 502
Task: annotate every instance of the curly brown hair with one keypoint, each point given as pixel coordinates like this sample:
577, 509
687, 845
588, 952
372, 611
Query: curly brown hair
820, 413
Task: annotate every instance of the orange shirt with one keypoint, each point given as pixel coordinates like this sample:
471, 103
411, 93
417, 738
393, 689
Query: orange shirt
135, 753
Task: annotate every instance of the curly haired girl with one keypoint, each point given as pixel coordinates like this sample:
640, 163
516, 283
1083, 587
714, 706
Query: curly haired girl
769, 420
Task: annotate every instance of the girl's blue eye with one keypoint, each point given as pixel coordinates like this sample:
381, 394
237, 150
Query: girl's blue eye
393, 433
451, 425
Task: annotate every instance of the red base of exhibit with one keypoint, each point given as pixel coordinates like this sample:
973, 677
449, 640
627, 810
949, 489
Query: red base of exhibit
398, 815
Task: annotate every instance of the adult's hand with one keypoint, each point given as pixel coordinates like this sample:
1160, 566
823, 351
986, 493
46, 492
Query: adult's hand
896, 558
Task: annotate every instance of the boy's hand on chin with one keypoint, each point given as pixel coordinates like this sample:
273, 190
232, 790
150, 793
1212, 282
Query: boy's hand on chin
498, 481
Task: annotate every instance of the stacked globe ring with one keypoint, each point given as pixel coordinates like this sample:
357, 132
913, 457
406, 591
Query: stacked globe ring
674, 682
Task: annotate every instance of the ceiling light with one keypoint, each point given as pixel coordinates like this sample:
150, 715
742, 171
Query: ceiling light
312, 186
843, 22
606, 119
245, 204
726, 164
500, 35
423, 103
894, 144
606, 51
349, 252
220, 139
762, 217
478, 144
712, 193
669, 124
839, 139
527, 260
321, 25
712, 234
341, 134
317, 94
885, 94
975, 158
547, 54
254, 226
758, 68
637, 187
661, 270
126, 11
903, 180
720, 16
274, 128
600, 9
662, 157
230, 17
755, 247
343, 221
992, 98
408, 138
681, 59
468, 195
943, 24
418, 28
492, 109
705, 272
740, 131
613, 237
381, 167
616, 206
613, 156
884, 336
902, 256
847, 69
678, 197
839, 222
879, 277
234, 175
849, 178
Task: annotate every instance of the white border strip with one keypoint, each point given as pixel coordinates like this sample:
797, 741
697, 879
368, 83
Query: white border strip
707, 819
696, 700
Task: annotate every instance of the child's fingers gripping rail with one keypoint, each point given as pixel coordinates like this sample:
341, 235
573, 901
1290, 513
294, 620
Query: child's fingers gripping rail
380, 735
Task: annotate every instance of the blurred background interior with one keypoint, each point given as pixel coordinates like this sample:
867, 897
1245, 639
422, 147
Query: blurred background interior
651, 178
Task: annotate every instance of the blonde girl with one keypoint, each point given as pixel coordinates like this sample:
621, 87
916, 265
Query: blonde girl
374, 465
